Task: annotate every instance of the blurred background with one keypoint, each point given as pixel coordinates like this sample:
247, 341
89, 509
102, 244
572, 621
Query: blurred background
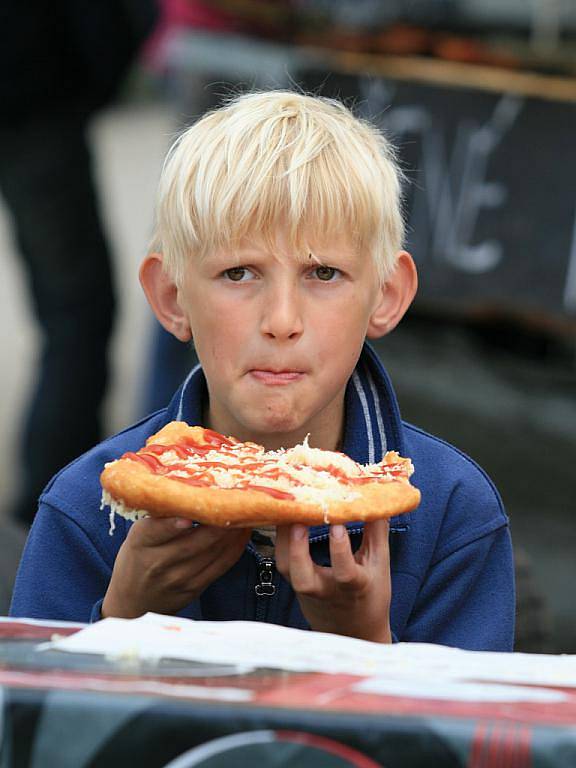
480, 98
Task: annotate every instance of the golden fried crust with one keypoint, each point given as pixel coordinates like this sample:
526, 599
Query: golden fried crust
175, 432
132, 484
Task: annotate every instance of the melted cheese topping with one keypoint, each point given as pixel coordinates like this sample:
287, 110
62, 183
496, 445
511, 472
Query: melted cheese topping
306, 484
316, 457
119, 508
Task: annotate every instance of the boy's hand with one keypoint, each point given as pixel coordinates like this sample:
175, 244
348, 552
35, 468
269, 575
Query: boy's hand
352, 596
164, 564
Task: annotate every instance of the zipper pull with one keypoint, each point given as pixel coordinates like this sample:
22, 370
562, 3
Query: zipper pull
265, 587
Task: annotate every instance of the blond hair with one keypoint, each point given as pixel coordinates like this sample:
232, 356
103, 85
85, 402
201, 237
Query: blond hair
279, 159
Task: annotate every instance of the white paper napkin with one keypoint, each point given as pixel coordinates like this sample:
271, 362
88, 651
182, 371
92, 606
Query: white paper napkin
419, 667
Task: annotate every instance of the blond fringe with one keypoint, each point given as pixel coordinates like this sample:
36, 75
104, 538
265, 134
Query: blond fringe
274, 160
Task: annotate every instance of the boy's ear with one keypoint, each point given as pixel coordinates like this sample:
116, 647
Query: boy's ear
396, 295
162, 294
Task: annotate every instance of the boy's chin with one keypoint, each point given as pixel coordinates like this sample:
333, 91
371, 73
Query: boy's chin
277, 426
274, 424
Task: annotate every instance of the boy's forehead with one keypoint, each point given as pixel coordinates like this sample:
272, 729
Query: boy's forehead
282, 246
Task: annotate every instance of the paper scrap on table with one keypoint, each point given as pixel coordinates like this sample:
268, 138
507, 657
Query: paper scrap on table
458, 690
41, 622
253, 645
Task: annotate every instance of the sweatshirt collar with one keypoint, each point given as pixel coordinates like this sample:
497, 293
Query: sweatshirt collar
372, 424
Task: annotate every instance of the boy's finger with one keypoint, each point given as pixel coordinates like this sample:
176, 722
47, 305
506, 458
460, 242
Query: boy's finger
375, 541
344, 565
282, 550
153, 531
302, 568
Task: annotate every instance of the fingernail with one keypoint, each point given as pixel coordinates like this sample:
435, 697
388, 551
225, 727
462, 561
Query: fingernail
338, 532
183, 522
298, 532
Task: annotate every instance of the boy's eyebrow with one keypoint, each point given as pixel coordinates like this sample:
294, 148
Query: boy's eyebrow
303, 258
306, 254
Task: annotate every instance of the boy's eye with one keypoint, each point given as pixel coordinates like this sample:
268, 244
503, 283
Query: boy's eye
238, 274
326, 274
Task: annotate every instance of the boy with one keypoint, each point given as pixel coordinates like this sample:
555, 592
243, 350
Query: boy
279, 235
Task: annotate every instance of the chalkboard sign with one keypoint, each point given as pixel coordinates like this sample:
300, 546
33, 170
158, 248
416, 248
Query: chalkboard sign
491, 192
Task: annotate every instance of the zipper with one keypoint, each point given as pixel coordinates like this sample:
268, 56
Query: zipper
265, 586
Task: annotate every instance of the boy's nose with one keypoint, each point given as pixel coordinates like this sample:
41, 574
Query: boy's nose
282, 315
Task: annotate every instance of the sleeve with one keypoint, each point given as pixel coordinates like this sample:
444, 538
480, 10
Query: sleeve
62, 574
468, 600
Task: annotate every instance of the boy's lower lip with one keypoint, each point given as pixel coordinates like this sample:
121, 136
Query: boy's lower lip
281, 377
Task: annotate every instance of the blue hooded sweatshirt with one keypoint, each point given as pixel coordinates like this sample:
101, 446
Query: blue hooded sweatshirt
451, 558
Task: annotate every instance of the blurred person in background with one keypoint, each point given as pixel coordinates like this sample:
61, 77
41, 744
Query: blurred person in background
170, 359
59, 64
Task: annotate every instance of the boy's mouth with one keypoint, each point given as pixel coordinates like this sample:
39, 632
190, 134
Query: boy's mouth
276, 377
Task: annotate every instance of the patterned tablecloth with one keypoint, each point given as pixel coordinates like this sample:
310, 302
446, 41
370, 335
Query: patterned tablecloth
75, 711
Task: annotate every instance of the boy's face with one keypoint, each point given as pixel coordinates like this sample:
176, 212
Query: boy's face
279, 336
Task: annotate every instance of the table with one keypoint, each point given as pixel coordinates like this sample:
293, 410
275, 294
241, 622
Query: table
70, 710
